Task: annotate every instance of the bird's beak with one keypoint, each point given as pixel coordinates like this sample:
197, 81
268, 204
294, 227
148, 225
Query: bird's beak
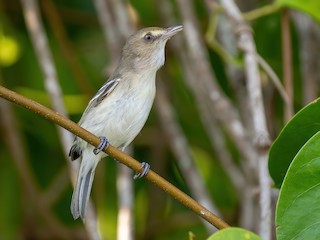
171, 31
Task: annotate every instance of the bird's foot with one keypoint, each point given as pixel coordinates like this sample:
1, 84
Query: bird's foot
144, 169
104, 143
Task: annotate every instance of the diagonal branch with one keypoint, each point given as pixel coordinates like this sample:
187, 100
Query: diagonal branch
208, 89
40, 43
275, 79
65, 44
113, 152
261, 138
179, 147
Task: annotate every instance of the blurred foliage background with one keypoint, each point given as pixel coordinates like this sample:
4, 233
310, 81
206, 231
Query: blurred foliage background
35, 187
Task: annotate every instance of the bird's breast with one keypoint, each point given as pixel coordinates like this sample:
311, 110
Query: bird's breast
121, 116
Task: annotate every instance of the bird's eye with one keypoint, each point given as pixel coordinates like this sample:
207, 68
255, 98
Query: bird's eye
148, 37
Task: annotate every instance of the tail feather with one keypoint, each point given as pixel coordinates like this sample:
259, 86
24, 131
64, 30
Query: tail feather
81, 193
85, 192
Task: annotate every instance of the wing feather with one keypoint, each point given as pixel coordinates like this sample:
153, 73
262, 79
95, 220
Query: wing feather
103, 92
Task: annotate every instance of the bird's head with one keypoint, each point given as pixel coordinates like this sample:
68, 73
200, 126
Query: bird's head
145, 48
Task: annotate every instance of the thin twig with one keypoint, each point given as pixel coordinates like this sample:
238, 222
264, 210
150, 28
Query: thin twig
125, 202
40, 43
180, 148
230, 59
243, 180
108, 28
122, 20
287, 62
57, 187
274, 78
68, 51
309, 37
261, 12
12, 139
203, 83
260, 131
207, 108
59, 183
113, 152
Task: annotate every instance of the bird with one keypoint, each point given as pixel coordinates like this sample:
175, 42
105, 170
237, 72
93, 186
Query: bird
120, 108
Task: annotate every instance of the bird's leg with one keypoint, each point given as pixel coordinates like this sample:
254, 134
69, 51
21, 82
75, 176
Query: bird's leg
104, 143
142, 171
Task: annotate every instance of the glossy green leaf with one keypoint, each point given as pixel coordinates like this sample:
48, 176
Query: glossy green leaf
311, 7
233, 233
293, 136
298, 208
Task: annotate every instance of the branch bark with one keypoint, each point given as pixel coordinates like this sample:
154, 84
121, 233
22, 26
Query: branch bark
202, 83
40, 43
210, 100
113, 152
309, 37
52, 14
125, 203
180, 149
261, 138
243, 181
287, 62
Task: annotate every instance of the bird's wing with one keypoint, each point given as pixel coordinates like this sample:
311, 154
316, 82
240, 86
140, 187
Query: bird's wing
103, 92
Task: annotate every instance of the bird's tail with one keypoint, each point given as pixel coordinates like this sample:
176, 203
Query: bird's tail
81, 193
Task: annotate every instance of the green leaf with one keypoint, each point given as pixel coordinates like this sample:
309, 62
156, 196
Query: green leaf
293, 136
311, 7
233, 233
298, 208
